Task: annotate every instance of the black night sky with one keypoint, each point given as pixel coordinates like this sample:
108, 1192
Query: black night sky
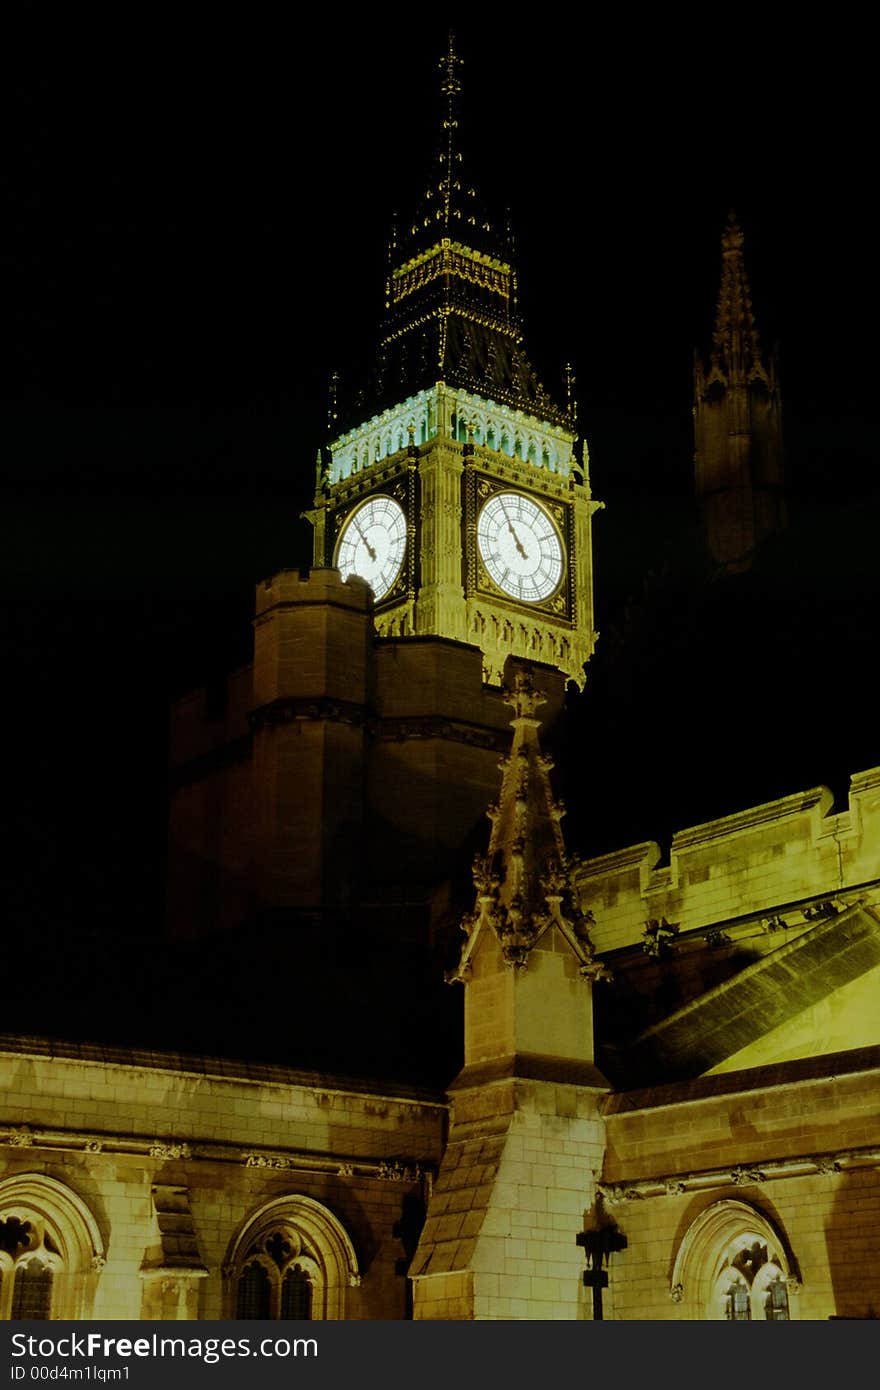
193, 239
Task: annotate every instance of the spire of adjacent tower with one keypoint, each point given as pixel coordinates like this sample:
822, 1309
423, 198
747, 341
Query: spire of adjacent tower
737, 422
736, 349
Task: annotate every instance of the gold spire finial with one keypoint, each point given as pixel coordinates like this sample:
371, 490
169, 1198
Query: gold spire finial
570, 398
333, 406
450, 86
449, 64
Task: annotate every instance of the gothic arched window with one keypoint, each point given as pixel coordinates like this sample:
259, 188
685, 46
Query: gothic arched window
278, 1277
50, 1250
294, 1260
732, 1264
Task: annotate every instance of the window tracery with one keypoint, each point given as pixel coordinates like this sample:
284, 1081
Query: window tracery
50, 1250
292, 1260
751, 1285
278, 1279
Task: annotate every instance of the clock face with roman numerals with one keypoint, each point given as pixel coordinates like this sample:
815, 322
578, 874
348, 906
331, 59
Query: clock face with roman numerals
372, 544
520, 546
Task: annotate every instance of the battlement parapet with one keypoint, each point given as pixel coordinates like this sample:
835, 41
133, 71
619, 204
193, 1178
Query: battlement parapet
750, 862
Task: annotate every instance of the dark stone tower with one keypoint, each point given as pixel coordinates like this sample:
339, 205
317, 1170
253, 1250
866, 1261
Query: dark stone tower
737, 423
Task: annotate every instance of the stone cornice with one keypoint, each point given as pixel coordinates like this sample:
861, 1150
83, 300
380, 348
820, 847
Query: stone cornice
531, 1067
436, 726
321, 709
334, 711
393, 1168
742, 1175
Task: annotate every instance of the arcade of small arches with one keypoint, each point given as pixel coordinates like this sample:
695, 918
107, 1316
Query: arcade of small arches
541, 642
469, 421
490, 631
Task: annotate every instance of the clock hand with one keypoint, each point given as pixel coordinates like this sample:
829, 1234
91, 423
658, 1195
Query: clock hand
370, 551
516, 538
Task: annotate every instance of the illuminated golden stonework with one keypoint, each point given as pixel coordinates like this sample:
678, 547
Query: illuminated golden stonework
458, 417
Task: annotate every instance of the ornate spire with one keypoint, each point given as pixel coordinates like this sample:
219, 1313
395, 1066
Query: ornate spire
451, 89
451, 294
325, 457
524, 886
450, 206
736, 349
738, 459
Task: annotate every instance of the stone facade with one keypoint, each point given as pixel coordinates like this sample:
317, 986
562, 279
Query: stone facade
165, 1163
716, 1153
668, 1105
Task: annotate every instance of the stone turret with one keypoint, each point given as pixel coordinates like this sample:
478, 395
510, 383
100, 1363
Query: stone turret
527, 940
526, 1140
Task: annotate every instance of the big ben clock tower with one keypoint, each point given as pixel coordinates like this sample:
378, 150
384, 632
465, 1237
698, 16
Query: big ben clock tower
454, 489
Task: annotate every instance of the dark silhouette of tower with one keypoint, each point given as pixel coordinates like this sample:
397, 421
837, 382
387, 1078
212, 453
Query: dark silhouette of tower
737, 423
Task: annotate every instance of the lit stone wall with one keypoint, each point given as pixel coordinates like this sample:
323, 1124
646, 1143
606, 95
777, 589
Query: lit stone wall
753, 861
517, 1178
233, 1138
800, 1149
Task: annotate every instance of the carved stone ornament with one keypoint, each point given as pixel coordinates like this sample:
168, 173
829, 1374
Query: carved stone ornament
393, 1170
92, 1146
741, 1176
255, 1160
345, 1170
674, 1187
817, 912
97, 1263
169, 1150
615, 1194
676, 1293
826, 1165
21, 1137
658, 936
775, 923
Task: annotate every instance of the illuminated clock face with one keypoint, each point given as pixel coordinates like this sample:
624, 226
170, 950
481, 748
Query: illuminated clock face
372, 544
520, 547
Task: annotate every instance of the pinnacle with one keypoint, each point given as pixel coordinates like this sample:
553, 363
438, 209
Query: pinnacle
736, 348
523, 883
